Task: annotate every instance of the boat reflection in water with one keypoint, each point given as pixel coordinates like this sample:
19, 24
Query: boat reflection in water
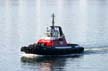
48, 63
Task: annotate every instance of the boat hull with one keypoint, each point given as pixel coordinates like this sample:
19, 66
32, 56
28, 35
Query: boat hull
43, 50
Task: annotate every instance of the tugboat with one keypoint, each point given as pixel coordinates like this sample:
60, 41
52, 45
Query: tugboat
53, 44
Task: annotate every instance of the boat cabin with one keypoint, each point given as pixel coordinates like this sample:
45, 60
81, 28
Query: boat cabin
54, 36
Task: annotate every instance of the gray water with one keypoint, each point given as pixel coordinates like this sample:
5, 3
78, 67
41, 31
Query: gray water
23, 22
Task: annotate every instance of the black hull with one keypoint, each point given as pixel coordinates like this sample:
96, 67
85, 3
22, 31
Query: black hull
42, 50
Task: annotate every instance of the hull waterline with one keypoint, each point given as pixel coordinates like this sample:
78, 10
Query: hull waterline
42, 50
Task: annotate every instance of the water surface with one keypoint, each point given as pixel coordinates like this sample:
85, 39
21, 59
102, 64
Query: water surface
23, 22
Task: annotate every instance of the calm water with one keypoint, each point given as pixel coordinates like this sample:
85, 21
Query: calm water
83, 21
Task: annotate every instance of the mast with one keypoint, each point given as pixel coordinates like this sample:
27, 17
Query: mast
52, 27
53, 20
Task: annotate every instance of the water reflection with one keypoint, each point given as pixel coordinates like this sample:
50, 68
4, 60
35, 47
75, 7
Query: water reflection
49, 63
